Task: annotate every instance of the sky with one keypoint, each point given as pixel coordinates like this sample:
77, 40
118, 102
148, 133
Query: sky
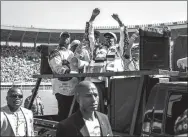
74, 14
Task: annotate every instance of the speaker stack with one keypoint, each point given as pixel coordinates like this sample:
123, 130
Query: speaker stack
154, 48
45, 51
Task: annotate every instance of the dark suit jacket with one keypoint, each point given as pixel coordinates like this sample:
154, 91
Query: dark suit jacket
75, 126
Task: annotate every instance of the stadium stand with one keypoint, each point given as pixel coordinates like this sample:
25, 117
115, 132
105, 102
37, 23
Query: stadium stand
18, 63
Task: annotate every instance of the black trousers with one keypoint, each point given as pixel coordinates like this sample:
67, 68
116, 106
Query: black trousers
64, 105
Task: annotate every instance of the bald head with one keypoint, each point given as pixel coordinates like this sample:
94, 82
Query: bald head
87, 96
84, 86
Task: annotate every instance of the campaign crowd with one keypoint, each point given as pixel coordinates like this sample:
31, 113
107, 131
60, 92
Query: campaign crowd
19, 63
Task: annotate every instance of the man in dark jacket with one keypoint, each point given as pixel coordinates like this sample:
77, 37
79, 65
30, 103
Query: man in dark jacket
87, 121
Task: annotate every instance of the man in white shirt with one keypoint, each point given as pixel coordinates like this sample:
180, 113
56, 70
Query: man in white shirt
182, 63
87, 121
134, 58
110, 47
16, 120
60, 63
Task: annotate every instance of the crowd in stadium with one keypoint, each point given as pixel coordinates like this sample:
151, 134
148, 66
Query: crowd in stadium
18, 63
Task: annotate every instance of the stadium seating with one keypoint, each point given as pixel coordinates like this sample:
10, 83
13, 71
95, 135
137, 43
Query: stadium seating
19, 64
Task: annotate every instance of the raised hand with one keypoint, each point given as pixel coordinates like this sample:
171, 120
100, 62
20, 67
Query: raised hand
96, 12
115, 16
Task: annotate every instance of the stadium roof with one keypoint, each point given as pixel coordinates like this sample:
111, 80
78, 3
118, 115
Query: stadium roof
41, 35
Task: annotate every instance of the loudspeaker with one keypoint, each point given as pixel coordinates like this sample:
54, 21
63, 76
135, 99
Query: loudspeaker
45, 51
179, 50
154, 51
123, 98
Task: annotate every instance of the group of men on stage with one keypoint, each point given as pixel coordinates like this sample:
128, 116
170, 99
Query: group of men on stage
90, 55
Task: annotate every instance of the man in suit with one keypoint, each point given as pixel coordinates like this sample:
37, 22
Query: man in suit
86, 121
16, 120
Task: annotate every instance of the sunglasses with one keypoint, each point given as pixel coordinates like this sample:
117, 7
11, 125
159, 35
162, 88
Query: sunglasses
16, 96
